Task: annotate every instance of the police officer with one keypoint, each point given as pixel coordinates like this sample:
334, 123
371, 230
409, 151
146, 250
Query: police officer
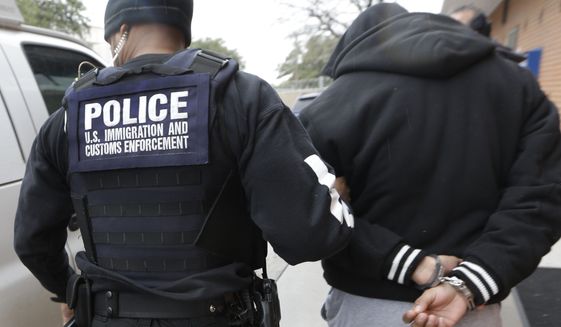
177, 167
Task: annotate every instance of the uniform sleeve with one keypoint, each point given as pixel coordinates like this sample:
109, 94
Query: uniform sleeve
374, 251
290, 190
43, 212
378, 253
527, 221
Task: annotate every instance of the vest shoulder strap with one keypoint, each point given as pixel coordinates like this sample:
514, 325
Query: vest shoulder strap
194, 60
208, 62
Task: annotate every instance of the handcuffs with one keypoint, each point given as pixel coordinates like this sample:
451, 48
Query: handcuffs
439, 278
461, 287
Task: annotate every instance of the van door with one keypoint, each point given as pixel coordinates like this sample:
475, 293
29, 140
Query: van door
35, 70
44, 72
20, 290
54, 69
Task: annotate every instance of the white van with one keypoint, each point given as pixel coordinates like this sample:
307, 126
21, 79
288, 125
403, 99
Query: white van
36, 67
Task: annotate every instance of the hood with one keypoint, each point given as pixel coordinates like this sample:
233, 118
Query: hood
508, 53
386, 38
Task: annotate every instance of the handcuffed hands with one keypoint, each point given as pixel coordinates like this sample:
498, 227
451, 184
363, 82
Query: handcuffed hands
426, 267
441, 306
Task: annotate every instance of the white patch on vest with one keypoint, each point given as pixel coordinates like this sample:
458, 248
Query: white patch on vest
338, 208
150, 110
114, 127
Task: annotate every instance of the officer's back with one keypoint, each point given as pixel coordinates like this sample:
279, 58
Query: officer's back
178, 167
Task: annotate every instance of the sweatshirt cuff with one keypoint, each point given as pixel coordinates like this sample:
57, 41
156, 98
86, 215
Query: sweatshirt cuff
402, 264
478, 280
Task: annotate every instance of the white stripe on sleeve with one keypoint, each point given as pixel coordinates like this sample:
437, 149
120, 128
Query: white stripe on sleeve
405, 267
338, 208
483, 273
396, 261
476, 281
65, 120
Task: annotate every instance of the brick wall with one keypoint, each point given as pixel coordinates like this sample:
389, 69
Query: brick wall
539, 26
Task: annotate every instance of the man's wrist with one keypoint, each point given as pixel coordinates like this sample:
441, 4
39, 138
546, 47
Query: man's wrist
428, 272
461, 287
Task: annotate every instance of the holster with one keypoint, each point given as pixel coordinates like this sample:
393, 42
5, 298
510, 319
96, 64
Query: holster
266, 298
79, 299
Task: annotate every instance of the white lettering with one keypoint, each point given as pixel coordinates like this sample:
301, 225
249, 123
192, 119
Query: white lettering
112, 108
142, 109
127, 119
152, 107
178, 128
95, 150
176, 105
92, 110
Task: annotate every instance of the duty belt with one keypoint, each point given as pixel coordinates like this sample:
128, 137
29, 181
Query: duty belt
145, 306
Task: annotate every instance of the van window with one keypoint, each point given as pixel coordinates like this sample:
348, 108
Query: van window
54, 70
11, 160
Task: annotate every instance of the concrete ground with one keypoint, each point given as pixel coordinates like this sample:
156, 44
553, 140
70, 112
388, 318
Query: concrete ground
302, 290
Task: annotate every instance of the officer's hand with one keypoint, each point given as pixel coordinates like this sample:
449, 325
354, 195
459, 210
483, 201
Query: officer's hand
343, 189
67, 313
441, 306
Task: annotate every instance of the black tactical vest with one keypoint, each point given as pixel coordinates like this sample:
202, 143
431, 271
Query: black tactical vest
153, 179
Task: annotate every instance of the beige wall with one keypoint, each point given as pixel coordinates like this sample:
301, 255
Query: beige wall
539, 26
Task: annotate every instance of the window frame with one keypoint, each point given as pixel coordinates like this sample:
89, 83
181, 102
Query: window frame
25, 102
73, 52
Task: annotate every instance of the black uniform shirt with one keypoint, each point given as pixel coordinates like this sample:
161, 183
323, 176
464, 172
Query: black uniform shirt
289, 189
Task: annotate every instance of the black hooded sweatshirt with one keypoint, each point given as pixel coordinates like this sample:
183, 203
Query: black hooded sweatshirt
447, 148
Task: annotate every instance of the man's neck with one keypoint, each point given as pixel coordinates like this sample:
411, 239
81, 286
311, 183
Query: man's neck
145, 51
152, 39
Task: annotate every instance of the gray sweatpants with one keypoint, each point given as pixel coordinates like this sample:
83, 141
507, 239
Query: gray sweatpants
342, 309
